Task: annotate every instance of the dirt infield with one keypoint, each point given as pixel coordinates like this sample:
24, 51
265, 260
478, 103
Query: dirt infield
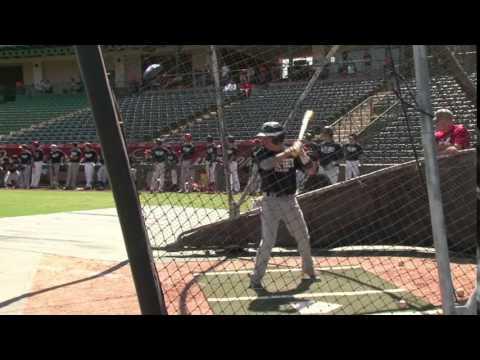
66, 285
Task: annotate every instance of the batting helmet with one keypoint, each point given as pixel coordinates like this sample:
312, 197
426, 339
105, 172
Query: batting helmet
274, 130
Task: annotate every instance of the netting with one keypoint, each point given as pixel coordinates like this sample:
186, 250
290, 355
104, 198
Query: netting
326, 230
370, 237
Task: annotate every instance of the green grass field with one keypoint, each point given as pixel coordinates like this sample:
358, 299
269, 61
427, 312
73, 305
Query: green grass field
37, 202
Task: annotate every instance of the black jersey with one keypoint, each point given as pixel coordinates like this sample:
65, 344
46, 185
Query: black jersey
37, 155
26, 157
4, 163
75, 155
279, 180
14, 165
212, 153
188, 150
57, 156
329, 152
159, 154
90, 156
352, 152
232, 153
172, 159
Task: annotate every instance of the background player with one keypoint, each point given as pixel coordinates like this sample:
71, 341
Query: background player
211, 159
56, 160
102, 174
89, 160
74, 158
38, 157
278, 166
25, 169
329, 155
186, 160
12, 167
232, 153
352, 152
172, 163
159, 158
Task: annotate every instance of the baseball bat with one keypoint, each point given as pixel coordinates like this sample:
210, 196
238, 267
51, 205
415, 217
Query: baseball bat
305, 122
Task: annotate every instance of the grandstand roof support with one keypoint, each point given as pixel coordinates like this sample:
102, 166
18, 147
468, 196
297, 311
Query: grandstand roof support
107, 120
432, 172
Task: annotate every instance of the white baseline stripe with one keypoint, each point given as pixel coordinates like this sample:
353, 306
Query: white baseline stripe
213, 273
412, 312
308, 296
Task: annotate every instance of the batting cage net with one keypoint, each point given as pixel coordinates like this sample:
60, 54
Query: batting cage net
248, 213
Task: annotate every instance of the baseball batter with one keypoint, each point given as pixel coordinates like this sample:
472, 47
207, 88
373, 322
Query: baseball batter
186, 162
37, 165
159, 158
278, 165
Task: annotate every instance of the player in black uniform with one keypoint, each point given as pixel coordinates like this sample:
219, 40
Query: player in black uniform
211, 160
352, 152
232, 152
4, 161
186, 162
89, 160
26, 159
172, 163
38, 157
13, 173
329, 154
102, 174
74, 158
159, 158
56, 160
278, 166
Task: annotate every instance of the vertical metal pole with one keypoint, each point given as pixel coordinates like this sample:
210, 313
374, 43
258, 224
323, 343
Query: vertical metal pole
433, 180
221, 125
114, 148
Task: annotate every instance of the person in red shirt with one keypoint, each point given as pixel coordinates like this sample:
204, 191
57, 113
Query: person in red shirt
450, 137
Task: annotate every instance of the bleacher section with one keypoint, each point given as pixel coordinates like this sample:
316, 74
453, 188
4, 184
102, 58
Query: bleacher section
274, 104
148, 113
27, 111
392, 143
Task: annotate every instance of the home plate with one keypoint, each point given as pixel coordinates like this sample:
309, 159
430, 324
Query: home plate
311, 307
